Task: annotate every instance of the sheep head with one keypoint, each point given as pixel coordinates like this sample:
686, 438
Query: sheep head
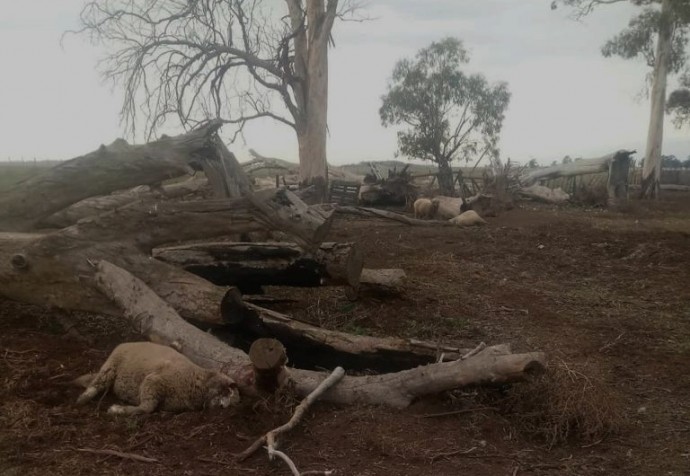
221, 391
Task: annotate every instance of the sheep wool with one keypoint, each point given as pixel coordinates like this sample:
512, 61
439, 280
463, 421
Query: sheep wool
151, 376
424, 208
468, 218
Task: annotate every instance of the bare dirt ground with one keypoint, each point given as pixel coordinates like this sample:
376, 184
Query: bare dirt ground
605, 293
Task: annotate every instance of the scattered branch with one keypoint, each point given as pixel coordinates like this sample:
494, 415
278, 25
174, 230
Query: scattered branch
270, 438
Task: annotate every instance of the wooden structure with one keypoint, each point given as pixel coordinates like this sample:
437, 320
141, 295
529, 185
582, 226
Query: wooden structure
344, 193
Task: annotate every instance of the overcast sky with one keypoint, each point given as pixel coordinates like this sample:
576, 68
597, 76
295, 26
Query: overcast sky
566, 98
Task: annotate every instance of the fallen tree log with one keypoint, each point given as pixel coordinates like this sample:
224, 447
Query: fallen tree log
285, 211
390, 281
252, 265
260, 162
223, 171
616, 164
311, 346
101, 204
578, 167
151, 316
118, 166
545, 194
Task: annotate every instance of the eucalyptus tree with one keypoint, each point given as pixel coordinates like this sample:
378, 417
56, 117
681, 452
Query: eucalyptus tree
659, 35
447, 114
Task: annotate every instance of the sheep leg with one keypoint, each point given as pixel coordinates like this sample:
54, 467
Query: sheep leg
149, 398
101, 382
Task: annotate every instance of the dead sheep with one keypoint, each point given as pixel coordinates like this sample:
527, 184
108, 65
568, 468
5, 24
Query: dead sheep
468, 218
155, 377
425, 208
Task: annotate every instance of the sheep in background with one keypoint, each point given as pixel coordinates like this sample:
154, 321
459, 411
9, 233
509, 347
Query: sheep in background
152, 376
425, 208
468, 218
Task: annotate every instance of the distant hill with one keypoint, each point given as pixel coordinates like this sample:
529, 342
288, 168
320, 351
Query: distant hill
362, 168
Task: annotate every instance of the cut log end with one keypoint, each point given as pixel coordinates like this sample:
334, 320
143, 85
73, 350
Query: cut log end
267, 354
268, 358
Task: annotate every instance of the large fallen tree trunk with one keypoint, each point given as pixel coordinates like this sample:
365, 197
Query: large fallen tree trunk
390, 281
252, 265
545, 194
118, 166
616, 164
578, 167
96, 205
155, 319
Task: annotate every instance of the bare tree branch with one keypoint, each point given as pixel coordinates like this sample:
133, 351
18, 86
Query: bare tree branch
203, 59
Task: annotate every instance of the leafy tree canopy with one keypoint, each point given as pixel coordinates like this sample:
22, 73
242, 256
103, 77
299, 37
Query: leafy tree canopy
449, 114
679, 102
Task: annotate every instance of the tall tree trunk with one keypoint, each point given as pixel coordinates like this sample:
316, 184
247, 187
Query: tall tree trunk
311, 90
445, 177
651, 173
312, 159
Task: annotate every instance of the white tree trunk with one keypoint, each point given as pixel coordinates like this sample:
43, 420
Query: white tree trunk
311, 55
651, 173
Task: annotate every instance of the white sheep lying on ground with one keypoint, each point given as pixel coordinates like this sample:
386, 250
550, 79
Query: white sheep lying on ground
425, 208
152, 376
468, 218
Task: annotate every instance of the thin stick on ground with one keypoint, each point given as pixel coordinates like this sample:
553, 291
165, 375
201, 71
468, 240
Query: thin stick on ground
474, 351
119, 454
452, 453
270, 438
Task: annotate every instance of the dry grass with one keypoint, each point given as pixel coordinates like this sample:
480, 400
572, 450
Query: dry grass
564, 404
